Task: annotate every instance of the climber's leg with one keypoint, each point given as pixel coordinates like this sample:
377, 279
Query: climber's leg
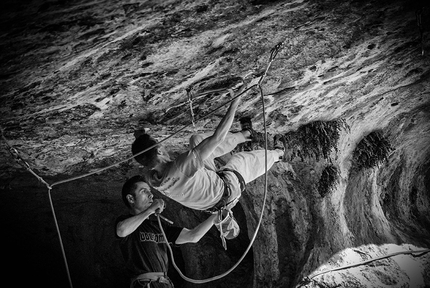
251, 164
230, 142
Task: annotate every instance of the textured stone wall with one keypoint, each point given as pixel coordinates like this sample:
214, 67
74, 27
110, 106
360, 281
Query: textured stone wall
349, 91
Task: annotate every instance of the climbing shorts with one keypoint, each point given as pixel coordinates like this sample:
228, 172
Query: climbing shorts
225, 199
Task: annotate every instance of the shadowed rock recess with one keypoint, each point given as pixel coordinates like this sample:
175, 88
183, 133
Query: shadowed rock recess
349, 91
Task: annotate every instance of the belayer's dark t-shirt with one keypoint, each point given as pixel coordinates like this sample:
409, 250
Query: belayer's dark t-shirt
145, 250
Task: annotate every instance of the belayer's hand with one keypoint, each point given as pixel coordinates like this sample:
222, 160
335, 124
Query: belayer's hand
158, 206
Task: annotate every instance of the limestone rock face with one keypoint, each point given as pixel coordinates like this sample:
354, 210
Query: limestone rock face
349, 91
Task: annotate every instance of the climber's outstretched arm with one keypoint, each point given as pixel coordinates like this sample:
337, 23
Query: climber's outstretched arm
207, 146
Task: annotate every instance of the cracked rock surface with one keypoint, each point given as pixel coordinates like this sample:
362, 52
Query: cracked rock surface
349, 91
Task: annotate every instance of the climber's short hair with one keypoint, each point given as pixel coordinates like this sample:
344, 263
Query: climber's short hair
148, 158
129, 187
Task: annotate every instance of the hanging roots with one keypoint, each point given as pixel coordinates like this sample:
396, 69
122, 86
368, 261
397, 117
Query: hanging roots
370, 151
328, 180
315, 139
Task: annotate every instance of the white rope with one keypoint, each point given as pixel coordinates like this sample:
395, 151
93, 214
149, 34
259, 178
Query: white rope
306, 280
24, 163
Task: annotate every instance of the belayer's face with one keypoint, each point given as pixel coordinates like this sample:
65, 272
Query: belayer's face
143, 197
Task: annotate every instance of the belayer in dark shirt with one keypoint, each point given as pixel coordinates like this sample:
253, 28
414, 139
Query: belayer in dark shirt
141, 240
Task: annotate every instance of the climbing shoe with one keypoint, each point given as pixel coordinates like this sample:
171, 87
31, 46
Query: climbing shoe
279, 144
257, 139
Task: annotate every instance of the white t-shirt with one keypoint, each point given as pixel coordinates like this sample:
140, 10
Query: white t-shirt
188, 182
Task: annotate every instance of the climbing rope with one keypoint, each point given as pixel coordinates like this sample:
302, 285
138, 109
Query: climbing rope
420, 252
25, 164
198, 96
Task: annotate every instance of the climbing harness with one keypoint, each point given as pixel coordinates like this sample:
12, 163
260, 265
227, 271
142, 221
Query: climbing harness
223, 202
225, 206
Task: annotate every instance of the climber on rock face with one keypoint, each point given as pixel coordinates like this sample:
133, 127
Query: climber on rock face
193, 180
146, 258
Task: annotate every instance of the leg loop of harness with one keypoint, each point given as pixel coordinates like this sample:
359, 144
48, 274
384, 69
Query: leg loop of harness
224, 202
227, 224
